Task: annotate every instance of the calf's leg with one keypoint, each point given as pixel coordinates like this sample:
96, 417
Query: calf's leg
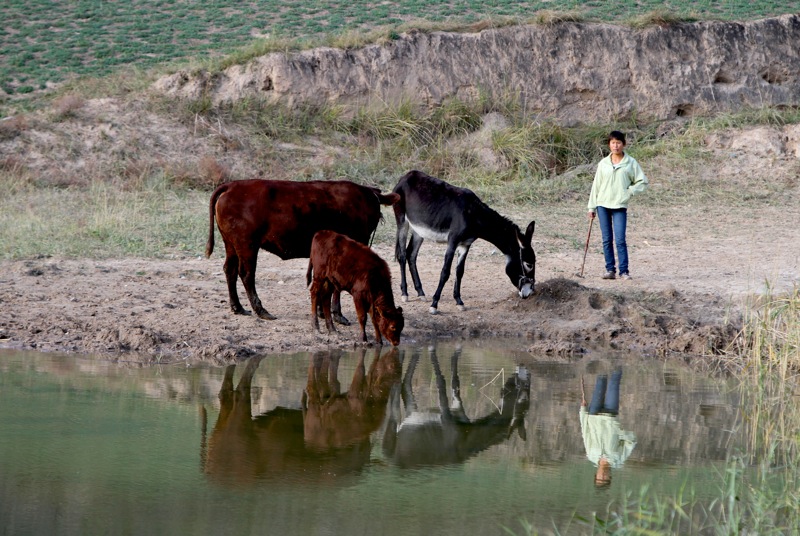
361, 313
314, 292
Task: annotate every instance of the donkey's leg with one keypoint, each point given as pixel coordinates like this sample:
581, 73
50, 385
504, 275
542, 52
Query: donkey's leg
461, 261
413, 251
443, 277
400, 255
247, 272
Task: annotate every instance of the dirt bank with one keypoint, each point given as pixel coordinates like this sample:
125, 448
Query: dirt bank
685, 298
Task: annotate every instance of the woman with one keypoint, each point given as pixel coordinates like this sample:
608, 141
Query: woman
618, 177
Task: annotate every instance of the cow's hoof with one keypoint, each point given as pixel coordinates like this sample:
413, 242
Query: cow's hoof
422, 297
339, 318
404, 298
240, 311
266, 316
462, 307
433, 311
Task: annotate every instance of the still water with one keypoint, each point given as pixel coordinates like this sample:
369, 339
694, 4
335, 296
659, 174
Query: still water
444, 439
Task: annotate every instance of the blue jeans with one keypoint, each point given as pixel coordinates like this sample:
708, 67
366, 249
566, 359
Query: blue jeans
605, 398
613, 224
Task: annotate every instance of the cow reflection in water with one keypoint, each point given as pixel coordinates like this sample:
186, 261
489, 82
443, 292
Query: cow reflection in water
446, 435
327, 438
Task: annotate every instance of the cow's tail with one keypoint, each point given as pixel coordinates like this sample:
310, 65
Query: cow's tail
309, 273
388, 199
212, 205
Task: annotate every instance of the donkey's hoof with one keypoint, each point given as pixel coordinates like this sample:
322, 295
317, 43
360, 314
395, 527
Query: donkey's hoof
433, 311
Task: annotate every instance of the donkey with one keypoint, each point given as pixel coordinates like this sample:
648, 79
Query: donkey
433, 209
446, 435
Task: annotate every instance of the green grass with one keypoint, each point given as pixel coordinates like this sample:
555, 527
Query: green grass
45, 43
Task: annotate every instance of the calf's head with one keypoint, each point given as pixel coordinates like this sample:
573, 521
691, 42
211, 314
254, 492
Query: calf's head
390, 323
521, 269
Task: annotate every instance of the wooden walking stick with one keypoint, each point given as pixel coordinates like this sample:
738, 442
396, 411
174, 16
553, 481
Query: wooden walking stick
586, 249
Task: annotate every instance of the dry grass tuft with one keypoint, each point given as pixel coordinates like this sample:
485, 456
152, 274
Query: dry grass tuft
13, 126
212, 173
67, 106
547, 17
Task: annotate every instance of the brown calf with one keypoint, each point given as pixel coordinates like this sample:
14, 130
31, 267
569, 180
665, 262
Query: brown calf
339, 263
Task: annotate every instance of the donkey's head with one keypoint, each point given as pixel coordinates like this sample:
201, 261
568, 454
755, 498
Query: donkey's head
521, 270
516, 399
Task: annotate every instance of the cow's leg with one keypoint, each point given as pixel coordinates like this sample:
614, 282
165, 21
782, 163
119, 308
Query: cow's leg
443, 277
413, 251
336, 308
461, 261
231, 269
247, 272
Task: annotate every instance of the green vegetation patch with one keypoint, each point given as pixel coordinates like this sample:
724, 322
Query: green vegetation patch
45, 43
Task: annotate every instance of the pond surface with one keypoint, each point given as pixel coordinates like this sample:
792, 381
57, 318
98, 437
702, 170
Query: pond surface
368, 442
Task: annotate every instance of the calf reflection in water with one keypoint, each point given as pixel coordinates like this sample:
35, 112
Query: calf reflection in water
327, 438
446, 435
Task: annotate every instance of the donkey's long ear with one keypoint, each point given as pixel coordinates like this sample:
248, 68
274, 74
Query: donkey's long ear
529, 231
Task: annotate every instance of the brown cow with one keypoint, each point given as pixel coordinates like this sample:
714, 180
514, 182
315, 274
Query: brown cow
339, 263
281, 217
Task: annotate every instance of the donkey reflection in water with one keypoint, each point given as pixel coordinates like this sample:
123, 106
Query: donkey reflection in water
446, 435
430, 208
324, 440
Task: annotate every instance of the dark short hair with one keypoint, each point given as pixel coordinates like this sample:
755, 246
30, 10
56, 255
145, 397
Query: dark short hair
617, 135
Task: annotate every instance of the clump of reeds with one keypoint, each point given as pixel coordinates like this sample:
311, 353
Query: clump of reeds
770, 354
